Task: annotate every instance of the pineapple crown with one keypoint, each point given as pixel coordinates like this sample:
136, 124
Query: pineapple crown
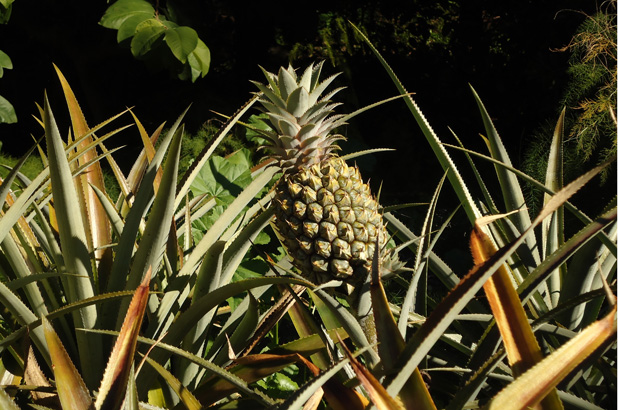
301, 118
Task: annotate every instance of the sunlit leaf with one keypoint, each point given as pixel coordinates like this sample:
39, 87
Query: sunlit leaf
530, 388
72, 391
116, 376
121, 10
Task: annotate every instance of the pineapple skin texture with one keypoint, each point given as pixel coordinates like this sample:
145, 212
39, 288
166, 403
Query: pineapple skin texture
329, 221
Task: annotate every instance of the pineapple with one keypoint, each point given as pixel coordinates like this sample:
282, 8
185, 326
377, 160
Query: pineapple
325, 214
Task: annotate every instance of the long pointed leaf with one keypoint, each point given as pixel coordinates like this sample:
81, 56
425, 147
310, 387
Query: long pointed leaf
445, 313
74, 245
553, 227
443, 157
119, 365
98, 230
521, 346
72, 391
534, 384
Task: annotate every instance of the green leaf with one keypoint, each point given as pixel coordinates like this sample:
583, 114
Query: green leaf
6, 402
146, 34
186, 397
116, 377
72, 391
457, 181
73, 243
7, 112
120, 11
224, 178
5, 62
5, 10
129, 26
182, 41
199, 60
529, 388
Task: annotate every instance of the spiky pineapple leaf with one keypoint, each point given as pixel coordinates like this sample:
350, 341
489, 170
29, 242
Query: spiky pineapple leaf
187, 398
72, 390
522, 348
570, 207
390, 346
377, 393
143, 199
444, 158
445, 313
351, 325
6, 401
119, 365
97, 227
511, 190
530, 388
187, 180
241, 385
73, 242
553, 228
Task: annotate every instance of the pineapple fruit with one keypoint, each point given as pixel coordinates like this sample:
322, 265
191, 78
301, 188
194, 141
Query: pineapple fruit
326, 215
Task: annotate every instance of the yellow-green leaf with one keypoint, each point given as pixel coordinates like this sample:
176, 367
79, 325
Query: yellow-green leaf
98, 228
521, 346
186, 397
71, 388
534, 384
377, 393
114, 383
414, 395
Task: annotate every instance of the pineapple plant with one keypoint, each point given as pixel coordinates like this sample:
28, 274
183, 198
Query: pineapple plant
327, 218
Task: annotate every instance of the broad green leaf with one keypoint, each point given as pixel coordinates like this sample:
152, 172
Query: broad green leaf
199, 60
72, 391
5, 62
530, 388
129, 26
224, 178
182, 41
5, 186
120, 363
187, 180
121, 10
250, 369
7, 112
146, 34
230, 214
